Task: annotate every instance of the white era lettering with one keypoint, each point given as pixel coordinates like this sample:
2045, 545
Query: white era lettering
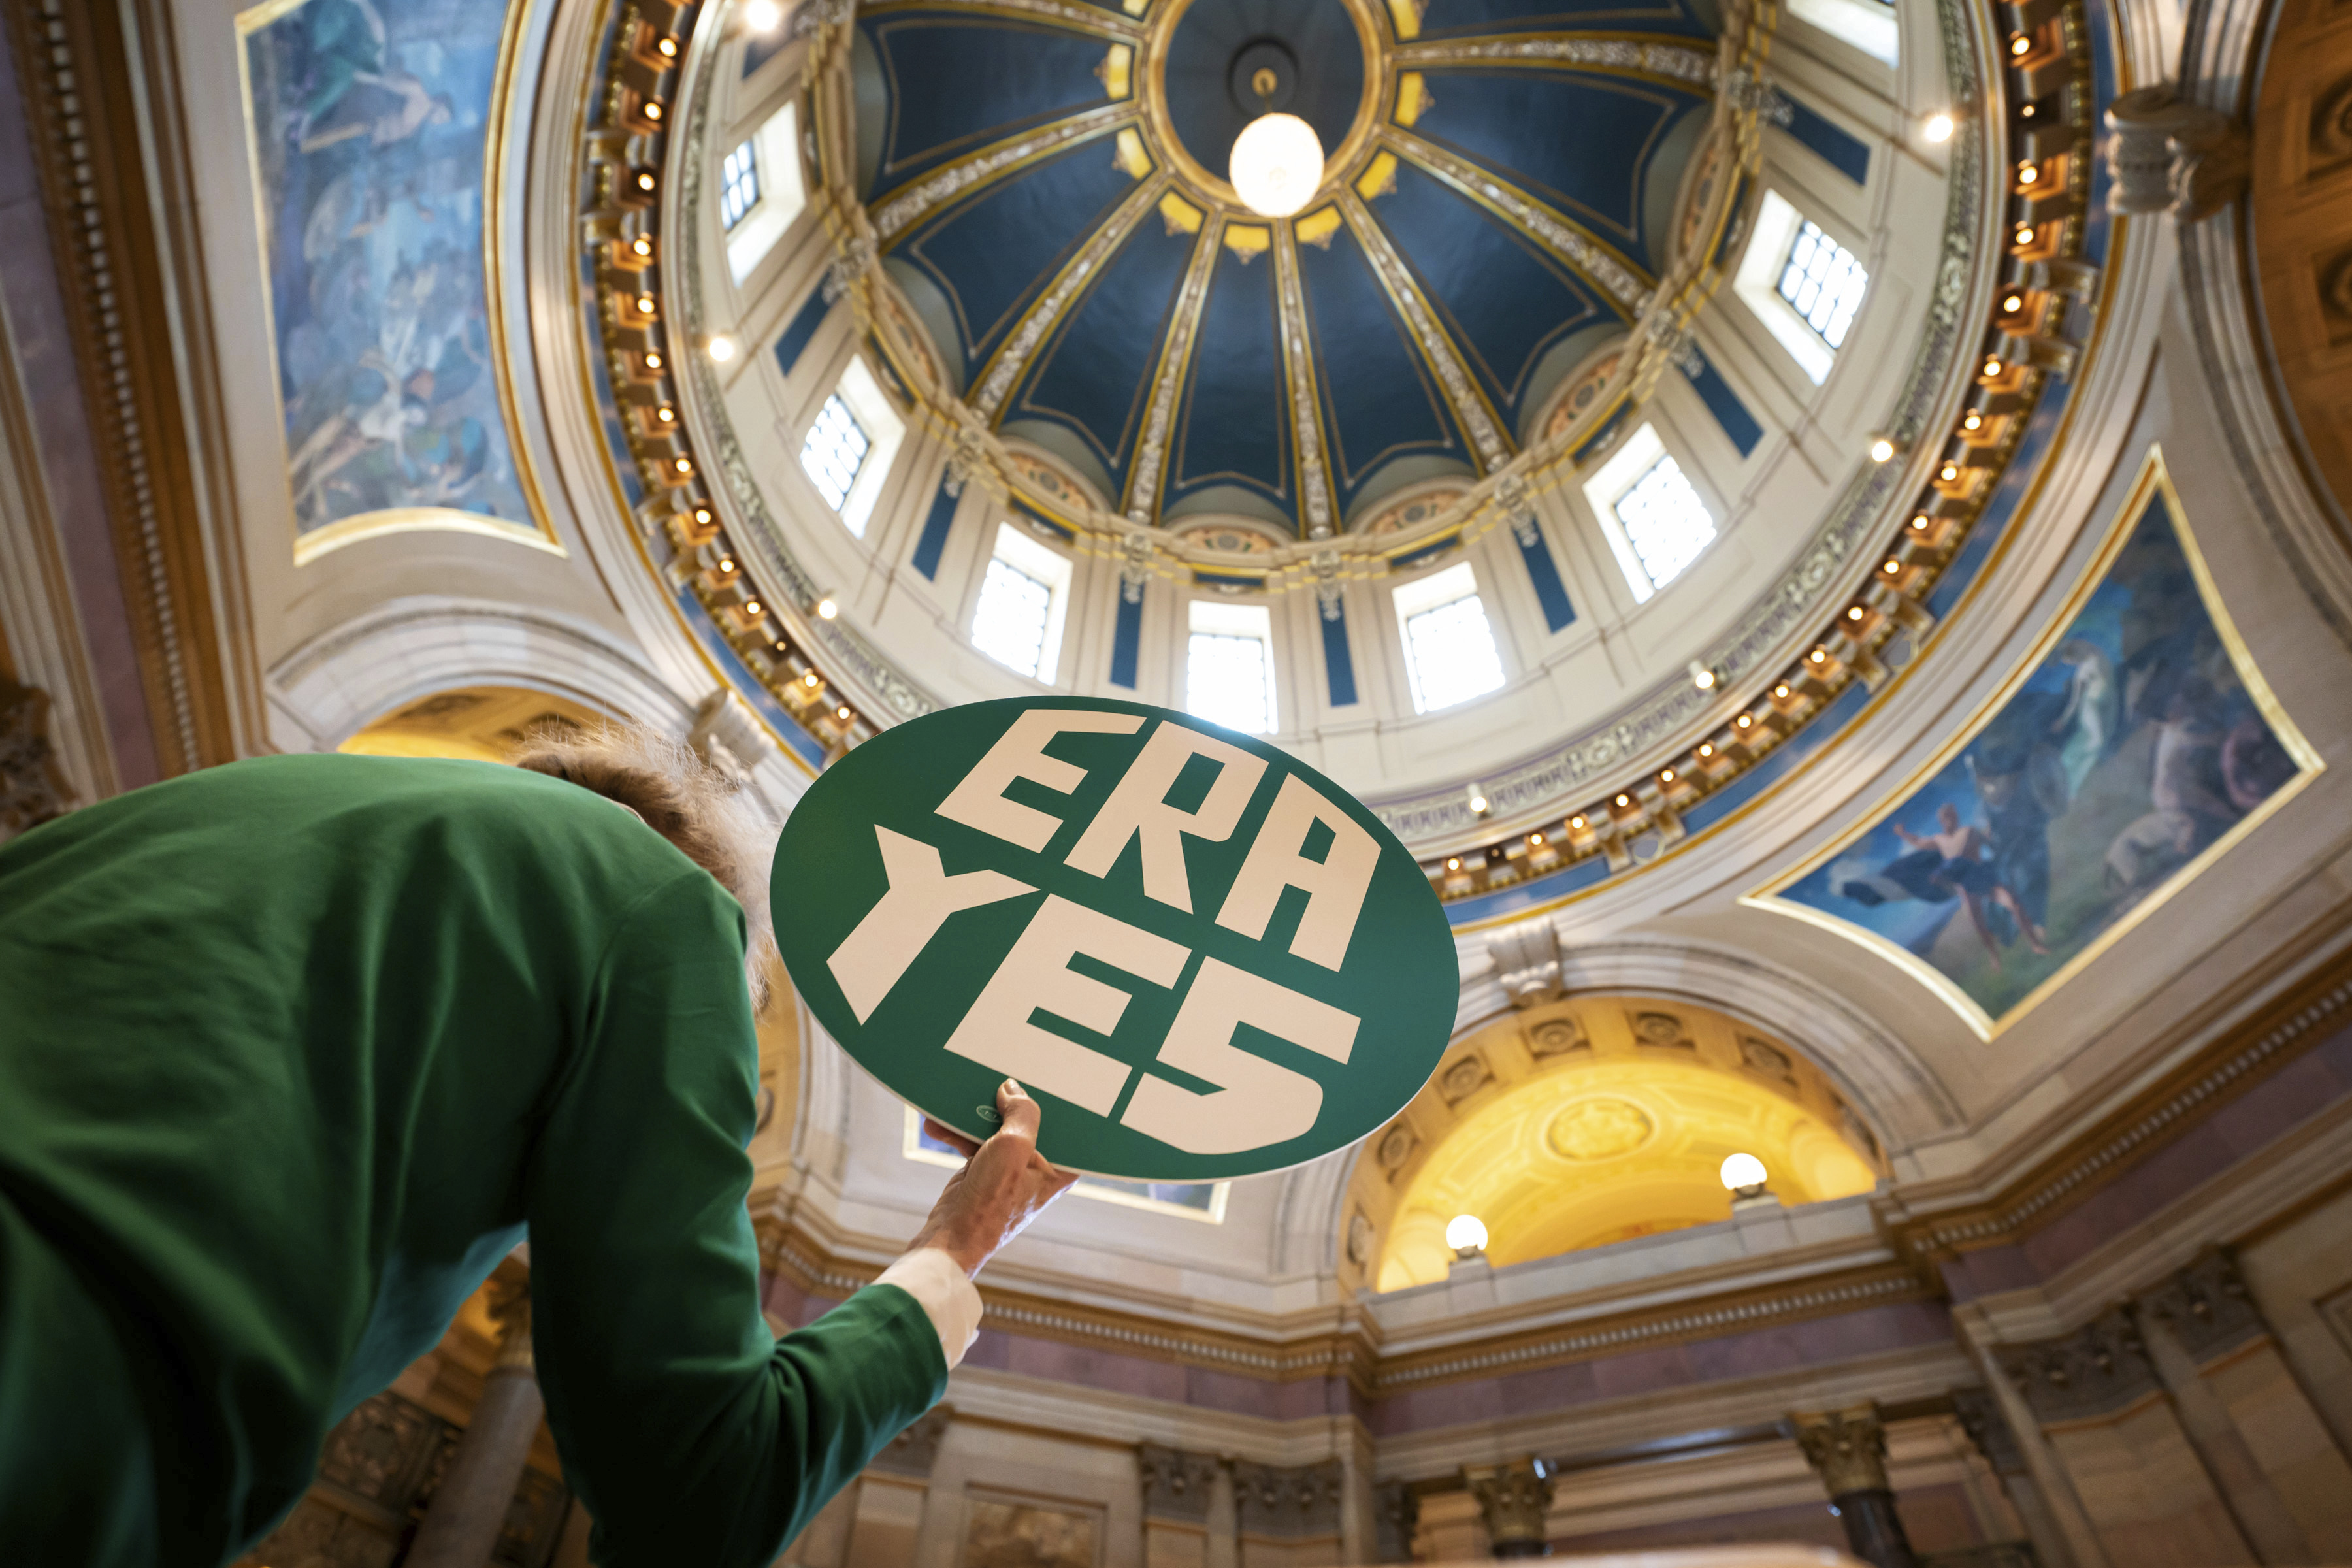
1020, 754
1138, 807
1335, 886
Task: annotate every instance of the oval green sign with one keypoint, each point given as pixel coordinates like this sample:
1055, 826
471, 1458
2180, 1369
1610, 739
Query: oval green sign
1203, 958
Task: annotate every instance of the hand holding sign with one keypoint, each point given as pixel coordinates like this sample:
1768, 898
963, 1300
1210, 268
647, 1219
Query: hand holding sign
1211, 959
1005, 1183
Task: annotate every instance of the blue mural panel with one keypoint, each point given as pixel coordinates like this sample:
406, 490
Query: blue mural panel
1543, 572
979, 79
1469, 18
1504, 301
369, 125
993, 254
1723, 403
2141, 745
1600, 135
1094, 372
1127, 636
1230, 429
1339, 663
1378, 401
936, 526
802, 327
1843, 151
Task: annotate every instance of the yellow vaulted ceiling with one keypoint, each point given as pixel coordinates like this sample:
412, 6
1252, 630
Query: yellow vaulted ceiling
1593, 1122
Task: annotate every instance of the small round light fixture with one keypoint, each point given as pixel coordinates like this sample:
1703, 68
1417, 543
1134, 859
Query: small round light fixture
1702, 676
1477, 801
762, 15
1882, 448
1466, 1233
1742, 1174
1277, 164
720, 349
826, 609
1939, 128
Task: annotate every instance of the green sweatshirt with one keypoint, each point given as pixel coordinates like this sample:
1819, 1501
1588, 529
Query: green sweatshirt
293, 1052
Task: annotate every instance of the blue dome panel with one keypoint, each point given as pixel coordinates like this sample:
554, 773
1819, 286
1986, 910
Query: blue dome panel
1231, 430
1094, 377
994, 254
1504, 301
1593, 161
1380, 402
956, 83
1476, 18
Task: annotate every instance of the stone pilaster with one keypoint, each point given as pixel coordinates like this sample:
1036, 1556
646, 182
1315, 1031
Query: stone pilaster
1847, 1448
1515, 1501
1980, 1418
1178, 1487
469, 1507
1288, 1505
1396, 1515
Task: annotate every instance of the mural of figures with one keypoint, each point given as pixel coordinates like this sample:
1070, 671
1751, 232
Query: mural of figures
371, 122
2142, 740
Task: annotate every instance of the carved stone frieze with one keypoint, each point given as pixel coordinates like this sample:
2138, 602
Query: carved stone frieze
2207, 1305
32, 790
1288, 1504
2100, 1368
914, 1451
1464, 1077
1557, 1038
1847, 1448
1176, 1482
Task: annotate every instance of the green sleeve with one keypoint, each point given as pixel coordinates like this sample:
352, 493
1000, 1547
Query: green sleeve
690, 1434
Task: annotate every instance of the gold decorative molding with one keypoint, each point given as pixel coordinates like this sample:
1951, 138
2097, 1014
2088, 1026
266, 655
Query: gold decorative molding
1150, 476
1572, 244
83, 66
1005, 367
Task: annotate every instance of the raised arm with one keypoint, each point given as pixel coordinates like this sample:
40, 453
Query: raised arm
689, 1432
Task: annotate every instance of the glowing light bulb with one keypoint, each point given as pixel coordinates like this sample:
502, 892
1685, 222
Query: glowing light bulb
1881, 448
1741, 1172
1453, 863
826, 609
1701, 676
1277, 164
1477, 801
762, 15
1939, 128
1706, 750
720, 350
841, 713
1466, 1233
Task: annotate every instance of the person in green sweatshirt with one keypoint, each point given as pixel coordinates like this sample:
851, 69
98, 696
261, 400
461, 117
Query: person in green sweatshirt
294, 1050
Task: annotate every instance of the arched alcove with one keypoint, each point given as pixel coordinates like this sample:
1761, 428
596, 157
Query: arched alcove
1592, 1121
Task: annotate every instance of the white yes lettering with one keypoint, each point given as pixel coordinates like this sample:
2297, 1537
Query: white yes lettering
1138, 807
920, 898
1336, 884
1020, 754
997, 1032
1261, 1102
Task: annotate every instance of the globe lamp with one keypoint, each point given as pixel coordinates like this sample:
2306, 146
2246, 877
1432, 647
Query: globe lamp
1277, 164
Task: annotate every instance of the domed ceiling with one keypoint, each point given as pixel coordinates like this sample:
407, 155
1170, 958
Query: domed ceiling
1046, 181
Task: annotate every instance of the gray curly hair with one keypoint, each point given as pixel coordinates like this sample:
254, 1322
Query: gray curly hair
685, 800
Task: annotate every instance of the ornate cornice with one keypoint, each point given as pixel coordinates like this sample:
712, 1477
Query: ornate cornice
81, 65
1672, 63
2149, 1120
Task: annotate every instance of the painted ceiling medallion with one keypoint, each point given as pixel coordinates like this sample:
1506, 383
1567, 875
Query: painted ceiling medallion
1594, 1130
1478, 203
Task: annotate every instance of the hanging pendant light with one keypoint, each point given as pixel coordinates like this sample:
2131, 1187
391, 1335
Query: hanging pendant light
1277, 162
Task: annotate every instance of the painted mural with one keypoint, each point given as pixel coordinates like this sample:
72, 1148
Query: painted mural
371, 123
2138, 746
